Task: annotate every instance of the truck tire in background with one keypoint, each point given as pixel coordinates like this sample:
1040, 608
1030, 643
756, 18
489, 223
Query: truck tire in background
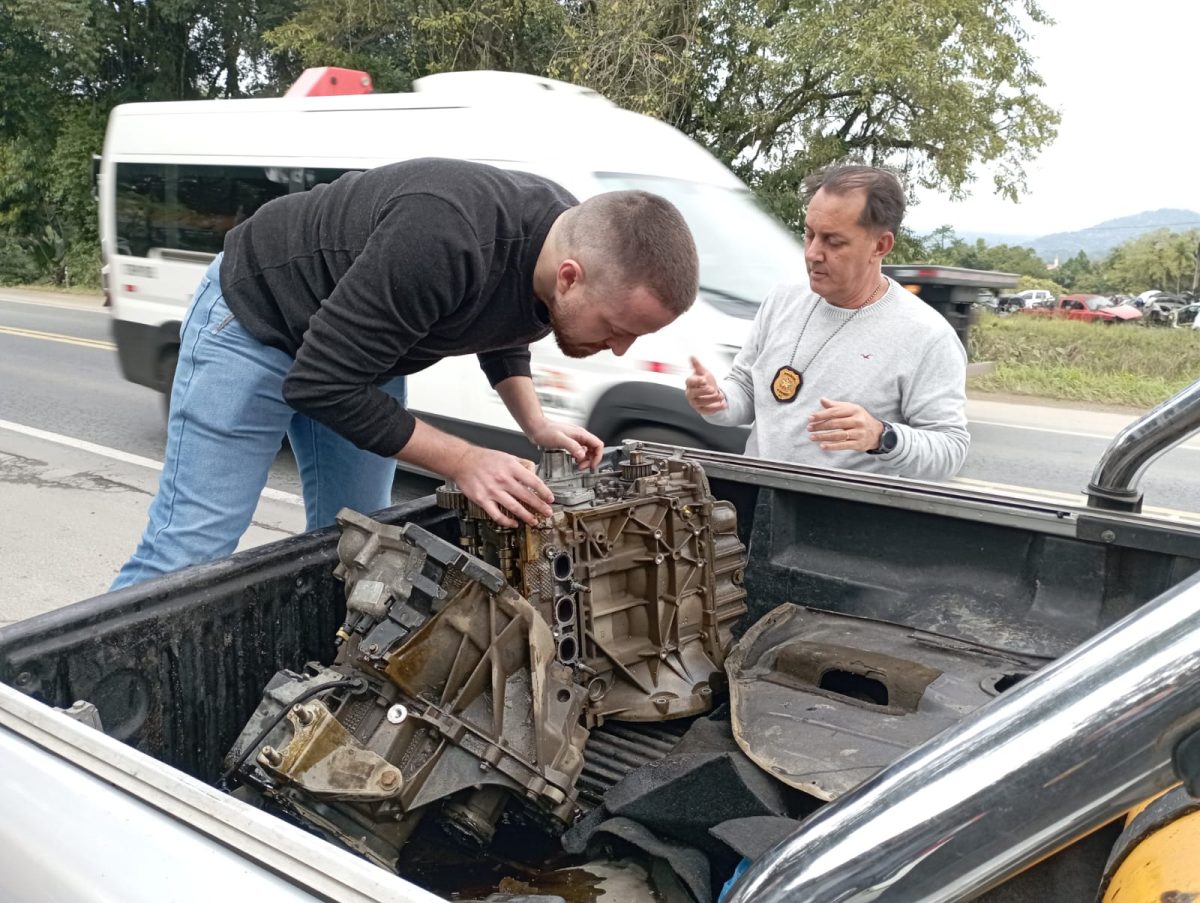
658, 413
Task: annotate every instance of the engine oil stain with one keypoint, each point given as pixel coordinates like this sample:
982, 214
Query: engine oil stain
573, 885
456, 874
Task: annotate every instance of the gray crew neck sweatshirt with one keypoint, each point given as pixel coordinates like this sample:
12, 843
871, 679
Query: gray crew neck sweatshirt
898, 358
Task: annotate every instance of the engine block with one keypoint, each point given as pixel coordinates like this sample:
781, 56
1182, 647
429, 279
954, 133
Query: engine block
638, 573
467, 677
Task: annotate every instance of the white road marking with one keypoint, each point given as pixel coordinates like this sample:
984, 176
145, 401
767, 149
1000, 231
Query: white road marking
87, 307
57, 337
1075, 498
116, 454
1059, 432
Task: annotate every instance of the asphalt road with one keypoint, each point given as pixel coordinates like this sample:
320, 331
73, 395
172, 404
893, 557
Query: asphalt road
1056, 450
80, 448
59, 372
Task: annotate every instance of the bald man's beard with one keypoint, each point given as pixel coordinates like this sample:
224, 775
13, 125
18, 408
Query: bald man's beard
561, 324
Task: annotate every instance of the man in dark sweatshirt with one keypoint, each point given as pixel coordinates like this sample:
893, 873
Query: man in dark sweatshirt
322, 302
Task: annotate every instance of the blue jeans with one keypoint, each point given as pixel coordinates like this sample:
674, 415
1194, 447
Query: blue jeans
227, 422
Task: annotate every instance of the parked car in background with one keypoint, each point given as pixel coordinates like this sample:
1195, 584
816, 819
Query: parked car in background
1162, 309
1088, 308
1036, 297
1146, 297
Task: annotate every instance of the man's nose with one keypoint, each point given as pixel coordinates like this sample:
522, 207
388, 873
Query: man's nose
812, 251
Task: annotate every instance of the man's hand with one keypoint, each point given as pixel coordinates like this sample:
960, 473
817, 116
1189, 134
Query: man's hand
494, 481
586, 449
702, 391
844, 426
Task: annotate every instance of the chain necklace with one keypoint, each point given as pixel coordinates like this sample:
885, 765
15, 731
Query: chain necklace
788, 380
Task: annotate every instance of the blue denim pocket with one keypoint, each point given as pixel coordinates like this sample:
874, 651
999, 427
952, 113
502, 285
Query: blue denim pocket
225, 321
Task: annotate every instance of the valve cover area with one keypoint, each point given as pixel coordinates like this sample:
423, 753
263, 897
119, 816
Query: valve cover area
469, 677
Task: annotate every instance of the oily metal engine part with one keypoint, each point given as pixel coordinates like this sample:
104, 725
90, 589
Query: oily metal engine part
445, 695
467, 677
638, 572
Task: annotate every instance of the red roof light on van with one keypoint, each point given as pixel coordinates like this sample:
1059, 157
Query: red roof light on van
660, 367
330, 81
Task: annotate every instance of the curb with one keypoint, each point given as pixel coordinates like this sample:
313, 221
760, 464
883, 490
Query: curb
63, 299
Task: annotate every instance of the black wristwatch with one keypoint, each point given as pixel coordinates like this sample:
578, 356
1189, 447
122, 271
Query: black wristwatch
887, 440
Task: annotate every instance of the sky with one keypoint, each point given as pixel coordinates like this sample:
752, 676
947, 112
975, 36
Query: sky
1125, 77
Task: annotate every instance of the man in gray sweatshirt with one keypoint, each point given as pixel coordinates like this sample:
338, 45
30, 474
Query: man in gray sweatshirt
848, 369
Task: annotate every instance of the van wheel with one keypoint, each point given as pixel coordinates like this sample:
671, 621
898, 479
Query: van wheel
660, 434
170, 361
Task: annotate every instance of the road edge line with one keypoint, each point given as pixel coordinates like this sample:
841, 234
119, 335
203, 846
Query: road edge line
115, 454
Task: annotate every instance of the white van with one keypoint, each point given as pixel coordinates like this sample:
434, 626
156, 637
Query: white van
176, 176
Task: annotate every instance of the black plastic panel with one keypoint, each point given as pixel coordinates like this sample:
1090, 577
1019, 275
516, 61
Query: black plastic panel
1015, 589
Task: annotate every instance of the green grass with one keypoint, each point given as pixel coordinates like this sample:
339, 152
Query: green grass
1121, 365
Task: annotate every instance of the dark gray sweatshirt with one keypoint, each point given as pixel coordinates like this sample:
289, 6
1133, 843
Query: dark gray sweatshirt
385, 272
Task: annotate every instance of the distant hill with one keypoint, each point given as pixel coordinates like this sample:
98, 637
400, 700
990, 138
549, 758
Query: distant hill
1098, 240
998, 238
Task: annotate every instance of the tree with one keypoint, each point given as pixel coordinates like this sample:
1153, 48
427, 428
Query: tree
945, 247
910, 248
775, 88
942, 240
1157, 260
65, 63
641, 54
1013, 259
402, 40
931, 88
1077, 272
1031, 282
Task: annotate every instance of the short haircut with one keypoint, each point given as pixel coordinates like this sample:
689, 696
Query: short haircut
635, 238
884, 209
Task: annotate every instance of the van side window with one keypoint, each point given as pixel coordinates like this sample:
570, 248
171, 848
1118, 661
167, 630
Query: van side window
185, 207
140, 198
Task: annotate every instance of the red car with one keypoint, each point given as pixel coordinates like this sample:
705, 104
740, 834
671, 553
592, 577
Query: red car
1092, 308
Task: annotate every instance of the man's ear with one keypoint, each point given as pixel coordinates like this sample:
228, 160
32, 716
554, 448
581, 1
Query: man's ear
884, 244
569, 272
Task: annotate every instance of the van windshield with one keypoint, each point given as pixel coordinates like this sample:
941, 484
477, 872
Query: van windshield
744, 251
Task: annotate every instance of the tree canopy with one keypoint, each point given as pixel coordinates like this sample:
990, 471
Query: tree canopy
774, 88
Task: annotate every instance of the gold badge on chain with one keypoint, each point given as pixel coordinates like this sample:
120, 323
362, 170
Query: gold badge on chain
786, 384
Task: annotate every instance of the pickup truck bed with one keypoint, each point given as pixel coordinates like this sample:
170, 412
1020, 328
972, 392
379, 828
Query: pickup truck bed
177, 665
